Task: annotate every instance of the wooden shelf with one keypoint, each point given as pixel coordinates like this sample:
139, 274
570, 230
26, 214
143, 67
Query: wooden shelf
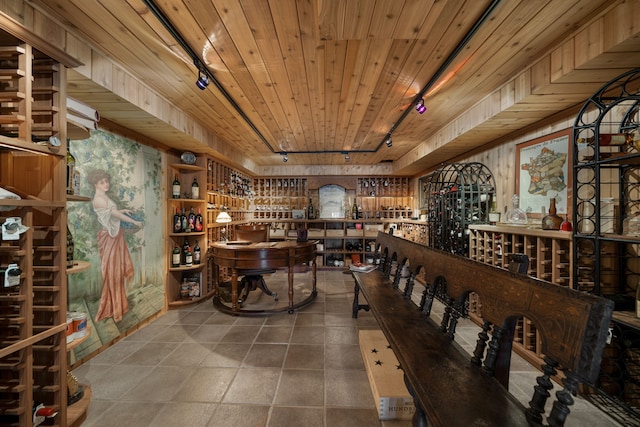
182, 302
74, 198
185, 268
76, 342
77, 413
79, 266
186, 167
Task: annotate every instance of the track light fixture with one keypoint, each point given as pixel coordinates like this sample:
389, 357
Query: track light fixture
347, 157
203, 80
388, 140
285, 158
420, 107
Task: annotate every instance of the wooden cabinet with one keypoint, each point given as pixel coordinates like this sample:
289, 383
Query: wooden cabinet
33, 359
186, 281
550, 259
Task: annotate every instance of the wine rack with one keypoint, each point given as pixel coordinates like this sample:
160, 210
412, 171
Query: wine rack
606, 218
33, 357
458, 195
228, 190
276, 198
550, 259
384, 198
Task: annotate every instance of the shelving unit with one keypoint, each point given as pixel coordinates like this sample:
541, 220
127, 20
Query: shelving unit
77, 412
176, 275
276, 198
550, 259
549, 251
229, 190
384, 198
33, 357
606, 217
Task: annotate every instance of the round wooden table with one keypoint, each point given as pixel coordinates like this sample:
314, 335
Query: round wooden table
246, 256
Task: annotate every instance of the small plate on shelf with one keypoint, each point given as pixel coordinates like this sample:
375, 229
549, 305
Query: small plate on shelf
188, 157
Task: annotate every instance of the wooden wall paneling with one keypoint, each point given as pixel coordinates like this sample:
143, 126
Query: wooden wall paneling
621, 27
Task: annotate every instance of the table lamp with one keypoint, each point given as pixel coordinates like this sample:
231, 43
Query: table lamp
223, 218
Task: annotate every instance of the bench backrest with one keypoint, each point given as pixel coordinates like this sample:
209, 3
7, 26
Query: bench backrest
573, 325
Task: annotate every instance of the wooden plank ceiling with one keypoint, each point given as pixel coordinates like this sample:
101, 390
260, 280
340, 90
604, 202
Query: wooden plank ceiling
331, 76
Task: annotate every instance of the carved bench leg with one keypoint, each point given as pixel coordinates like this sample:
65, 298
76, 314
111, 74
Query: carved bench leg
419, 417
481, 344
356, 306
541, 393
564, 399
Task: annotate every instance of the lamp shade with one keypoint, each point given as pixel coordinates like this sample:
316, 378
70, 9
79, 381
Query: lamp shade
223, 217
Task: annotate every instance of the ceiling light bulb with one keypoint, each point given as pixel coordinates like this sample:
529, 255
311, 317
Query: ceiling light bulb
285, 158
347, 157
203, 81
388, 141
420, 107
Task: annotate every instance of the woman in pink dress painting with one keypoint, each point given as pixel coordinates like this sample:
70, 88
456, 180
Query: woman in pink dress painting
115, 260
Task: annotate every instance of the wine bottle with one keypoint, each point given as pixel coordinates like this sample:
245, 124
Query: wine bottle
196, 253
199, 225
175, 188
175, 256
354, 210
70, 248
71, 170
494, 213
183, 222
310, 210
185, 248
191, 220
610, 139
195, 189
177, 222
188, 256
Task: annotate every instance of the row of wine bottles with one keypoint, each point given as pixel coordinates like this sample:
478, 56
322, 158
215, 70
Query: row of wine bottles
185, 256
187, 223
176, 189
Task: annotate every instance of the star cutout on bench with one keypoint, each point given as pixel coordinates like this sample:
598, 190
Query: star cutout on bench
379, 362
374, 350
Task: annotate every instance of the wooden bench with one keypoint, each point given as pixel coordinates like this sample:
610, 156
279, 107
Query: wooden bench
452, 388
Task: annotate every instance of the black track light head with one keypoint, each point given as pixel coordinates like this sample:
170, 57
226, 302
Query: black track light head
203, 81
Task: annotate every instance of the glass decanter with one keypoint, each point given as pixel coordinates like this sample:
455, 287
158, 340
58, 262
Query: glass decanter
515, 215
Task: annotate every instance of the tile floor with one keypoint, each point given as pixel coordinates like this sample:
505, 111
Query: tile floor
199, 367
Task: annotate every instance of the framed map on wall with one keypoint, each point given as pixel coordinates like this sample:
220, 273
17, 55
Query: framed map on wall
543, 171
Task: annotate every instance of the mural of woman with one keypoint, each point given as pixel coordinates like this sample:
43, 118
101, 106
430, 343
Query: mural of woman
115, 260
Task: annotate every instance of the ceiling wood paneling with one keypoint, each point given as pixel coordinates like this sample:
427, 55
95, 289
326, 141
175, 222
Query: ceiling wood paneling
321, 76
